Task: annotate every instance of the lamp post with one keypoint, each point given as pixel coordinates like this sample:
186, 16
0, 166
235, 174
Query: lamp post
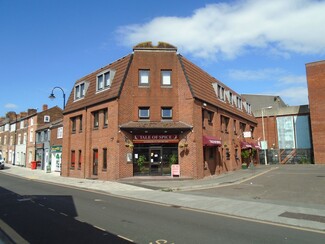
264, 141
52, 96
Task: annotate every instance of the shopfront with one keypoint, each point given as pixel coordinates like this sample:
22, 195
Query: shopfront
154, 154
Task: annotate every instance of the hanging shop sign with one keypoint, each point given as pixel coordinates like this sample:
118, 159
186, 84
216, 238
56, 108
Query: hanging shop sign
155, 138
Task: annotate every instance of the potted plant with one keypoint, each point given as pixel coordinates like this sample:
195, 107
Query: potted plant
140, 161
245, 154
173, 159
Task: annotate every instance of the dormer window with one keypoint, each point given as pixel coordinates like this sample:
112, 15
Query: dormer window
104, 80
79, 91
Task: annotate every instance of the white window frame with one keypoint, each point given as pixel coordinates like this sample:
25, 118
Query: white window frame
144, 77
166, 77
104, 80
80, 90
170, 109
59, 134
143, 109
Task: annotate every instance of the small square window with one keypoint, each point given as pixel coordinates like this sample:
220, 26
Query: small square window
144, 113
144, 77
166, 113
166, 79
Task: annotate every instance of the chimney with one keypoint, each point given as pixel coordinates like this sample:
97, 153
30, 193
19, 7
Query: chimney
45, 107
31, 111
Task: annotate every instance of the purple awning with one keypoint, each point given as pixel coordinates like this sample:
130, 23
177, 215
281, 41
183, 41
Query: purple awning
210, 141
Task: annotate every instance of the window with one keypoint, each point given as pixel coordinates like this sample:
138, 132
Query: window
144, 77
242, 127
210, 117
25, 138
11, 140
80, 123
31, 121
230, 98
79, 159
235, 127
224, 123
103, 80
221, 92
31, 135
73, 124
104, 158
72, 159
46, 135
166, 113
19, 139
105, 117
239, 103
79, 91
38, 137
144, 113
166, 79
60, 133
252, 132
96, 119
211, 152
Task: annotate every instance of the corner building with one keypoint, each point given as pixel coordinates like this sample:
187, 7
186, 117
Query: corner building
148, 111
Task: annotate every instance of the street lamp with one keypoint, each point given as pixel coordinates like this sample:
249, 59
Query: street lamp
52, 96
264, 146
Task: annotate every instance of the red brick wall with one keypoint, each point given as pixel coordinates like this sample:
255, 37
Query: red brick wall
316, 90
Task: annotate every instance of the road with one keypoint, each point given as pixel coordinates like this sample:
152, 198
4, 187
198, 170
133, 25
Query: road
37, 212
302, 186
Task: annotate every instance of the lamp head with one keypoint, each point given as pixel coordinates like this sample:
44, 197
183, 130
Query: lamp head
52, 96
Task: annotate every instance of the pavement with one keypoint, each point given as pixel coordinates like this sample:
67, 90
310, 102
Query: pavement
170, 191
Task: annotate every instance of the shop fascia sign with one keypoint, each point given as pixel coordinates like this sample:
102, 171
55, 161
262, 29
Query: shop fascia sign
56, 148
155, 138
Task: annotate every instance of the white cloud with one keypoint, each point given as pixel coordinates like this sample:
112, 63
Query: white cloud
293, 79
297, 95
255, 75
11, 106
228, 29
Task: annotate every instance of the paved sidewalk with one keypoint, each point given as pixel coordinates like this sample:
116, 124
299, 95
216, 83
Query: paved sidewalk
164, 191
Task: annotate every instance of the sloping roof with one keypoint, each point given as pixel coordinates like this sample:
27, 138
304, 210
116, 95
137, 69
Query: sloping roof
262, 101
201, 86
120, 66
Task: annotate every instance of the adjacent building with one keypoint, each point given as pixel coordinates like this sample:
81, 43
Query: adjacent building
153, 112
284, 132
19, 143
315, 73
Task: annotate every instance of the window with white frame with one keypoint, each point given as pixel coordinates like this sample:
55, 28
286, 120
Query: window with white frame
144, 77
60, 133
31, 135
79, 91
166, 77
25, 138
230, 98
166, 113
221, 93
31, 121
103, 80
22, 124
144, 112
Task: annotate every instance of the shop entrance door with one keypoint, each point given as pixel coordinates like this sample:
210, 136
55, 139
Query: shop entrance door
155, 165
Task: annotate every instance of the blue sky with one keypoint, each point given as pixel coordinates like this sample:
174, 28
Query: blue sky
254, 47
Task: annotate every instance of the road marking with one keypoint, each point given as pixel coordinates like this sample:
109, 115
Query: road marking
64, 214
41, 205
51, 209
255, 220
97, 227
127, 239
23, 199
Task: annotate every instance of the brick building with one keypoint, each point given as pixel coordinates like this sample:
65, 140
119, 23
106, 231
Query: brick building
148, 110
316, 89
287, 130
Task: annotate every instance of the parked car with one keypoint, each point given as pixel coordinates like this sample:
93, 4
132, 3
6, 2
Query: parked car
2, 162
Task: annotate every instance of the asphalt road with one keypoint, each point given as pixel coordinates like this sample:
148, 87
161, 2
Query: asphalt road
302, 186
45, 213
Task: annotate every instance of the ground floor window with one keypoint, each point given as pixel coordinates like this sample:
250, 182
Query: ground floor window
154, 159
